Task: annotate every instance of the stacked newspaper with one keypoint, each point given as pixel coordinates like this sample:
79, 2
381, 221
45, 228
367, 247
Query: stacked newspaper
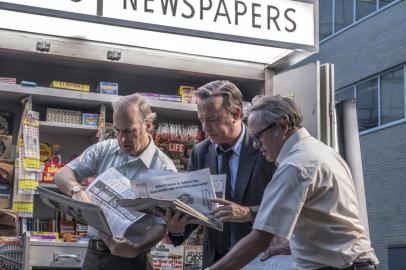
189, 193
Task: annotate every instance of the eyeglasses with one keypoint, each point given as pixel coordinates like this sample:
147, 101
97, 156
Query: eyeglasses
257, 136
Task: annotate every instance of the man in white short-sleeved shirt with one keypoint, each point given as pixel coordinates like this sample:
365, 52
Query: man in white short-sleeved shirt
311, 199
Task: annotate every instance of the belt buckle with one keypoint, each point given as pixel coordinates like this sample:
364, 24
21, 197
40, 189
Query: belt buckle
100, 245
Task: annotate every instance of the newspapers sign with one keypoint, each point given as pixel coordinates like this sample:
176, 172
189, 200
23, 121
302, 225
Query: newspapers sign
280, 23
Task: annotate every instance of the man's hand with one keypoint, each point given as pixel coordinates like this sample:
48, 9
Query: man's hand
232, 212
81, 196
120, 246
278, 246
175, 223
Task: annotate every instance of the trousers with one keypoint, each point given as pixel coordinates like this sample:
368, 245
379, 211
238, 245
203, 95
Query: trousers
97, 259
355, 266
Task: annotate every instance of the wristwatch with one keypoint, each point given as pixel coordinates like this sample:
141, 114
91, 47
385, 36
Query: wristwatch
76, 189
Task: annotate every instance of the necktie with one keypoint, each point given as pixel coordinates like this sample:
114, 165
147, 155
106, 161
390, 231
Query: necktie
223, 238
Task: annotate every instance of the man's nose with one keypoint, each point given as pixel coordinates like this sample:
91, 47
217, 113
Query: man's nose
121, 137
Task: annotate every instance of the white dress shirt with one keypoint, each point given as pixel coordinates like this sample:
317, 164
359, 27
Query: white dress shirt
311, 201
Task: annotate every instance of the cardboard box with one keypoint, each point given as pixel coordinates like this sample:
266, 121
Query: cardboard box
90, 119
8, 80
189, 98
107, 88
174, 98
64, 116
148, 95
70, 86
183, 89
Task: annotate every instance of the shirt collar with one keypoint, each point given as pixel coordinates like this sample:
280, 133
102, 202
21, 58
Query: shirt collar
290, 142
238, 145
146, 155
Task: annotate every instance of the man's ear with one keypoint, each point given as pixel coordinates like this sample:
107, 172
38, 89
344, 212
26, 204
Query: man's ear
237, 115
284, 128
148, 126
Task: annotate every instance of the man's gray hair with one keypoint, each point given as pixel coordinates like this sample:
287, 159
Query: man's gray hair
126, 102
277, 109
232, 97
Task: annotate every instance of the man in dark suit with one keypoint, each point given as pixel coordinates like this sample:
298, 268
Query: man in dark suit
229, 150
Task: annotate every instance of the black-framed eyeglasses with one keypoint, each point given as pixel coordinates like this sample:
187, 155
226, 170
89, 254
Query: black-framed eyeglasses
257, 136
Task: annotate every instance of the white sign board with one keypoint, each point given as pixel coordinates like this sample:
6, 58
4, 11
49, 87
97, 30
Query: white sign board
272, 20
82, 7
279, 23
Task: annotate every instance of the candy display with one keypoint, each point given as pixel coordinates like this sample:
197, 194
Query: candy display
177, 141
64, 116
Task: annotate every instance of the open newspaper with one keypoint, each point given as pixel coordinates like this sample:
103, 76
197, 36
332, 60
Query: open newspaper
104, 214
188, 192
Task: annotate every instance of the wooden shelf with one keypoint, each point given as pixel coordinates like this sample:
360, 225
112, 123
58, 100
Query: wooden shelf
89, 100
63, 128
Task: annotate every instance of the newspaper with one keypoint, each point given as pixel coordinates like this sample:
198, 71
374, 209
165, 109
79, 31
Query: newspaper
279, 262
88, 213
105, 190
104, 214
188, 192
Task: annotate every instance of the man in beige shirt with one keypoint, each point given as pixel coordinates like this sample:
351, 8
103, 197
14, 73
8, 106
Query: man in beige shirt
311, 199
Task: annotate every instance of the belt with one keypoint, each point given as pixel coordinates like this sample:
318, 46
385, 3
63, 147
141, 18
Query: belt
98, 245
354, 266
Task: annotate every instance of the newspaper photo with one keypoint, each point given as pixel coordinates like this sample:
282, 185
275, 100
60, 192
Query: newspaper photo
87, 213
187, 192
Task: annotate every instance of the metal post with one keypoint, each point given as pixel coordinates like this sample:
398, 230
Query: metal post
349, 148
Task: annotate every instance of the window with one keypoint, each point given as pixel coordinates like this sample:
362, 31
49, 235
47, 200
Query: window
383, 3
380, 100
396, 258
336, 15
344, 14
392, 96
326, 18
364, 8
367, 104
345, 94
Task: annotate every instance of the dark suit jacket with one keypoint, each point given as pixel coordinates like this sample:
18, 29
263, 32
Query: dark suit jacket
254, 173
